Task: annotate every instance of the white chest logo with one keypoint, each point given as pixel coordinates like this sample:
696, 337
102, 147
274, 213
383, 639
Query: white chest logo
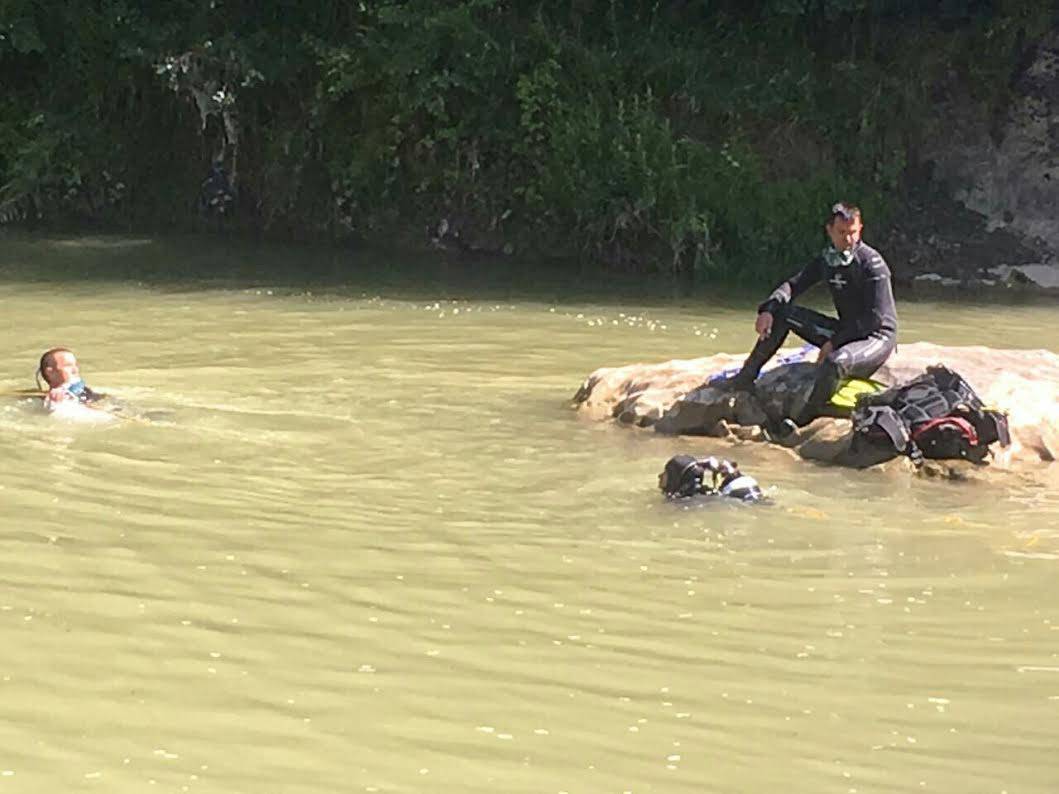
838, 281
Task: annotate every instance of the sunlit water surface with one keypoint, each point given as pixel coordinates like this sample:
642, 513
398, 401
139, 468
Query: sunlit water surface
355, 539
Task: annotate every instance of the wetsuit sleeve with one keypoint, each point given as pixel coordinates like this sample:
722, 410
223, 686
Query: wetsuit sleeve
794, 286
880, 311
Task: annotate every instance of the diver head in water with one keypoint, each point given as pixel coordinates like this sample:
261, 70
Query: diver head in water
61, 374
686, 476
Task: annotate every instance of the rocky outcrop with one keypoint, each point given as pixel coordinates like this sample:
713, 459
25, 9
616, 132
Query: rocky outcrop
1005, 172
671, 397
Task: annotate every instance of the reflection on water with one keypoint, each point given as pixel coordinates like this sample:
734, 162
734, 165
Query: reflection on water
364, 545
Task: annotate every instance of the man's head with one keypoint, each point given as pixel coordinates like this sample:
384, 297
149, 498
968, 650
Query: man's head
59, 366
844, 226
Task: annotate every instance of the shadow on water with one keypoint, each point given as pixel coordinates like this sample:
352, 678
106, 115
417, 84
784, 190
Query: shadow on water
190, 263
195, 263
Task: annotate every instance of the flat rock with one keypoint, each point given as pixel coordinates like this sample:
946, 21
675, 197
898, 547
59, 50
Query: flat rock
672, 398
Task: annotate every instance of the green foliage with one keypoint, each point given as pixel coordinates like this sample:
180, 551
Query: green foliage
701, 134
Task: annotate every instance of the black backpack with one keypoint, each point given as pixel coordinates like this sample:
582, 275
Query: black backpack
936, 415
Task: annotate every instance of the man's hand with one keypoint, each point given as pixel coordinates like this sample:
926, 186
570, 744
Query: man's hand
825, 351
763, 325
57, 394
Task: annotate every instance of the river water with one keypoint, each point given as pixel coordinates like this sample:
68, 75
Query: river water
353, 538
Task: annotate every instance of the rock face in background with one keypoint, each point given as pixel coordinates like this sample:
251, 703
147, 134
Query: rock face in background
671, 397
1005, 173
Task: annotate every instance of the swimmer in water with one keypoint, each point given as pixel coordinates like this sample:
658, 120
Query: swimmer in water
61, 375
686, 476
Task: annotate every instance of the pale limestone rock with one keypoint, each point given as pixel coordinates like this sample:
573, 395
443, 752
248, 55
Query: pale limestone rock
1010, 174
671, 397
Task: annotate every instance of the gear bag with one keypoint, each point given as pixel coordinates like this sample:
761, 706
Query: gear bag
936, 415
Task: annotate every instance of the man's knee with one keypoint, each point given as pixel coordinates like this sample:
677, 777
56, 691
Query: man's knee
858, 360
787, 315
839, 362
780, 321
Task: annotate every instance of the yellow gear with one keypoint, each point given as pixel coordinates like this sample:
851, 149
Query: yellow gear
849, 390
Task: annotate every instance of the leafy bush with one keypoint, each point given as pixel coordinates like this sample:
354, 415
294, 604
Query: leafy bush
703, 134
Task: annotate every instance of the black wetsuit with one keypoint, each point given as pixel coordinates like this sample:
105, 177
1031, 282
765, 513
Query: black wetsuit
862, 337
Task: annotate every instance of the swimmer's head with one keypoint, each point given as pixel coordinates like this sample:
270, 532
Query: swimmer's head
58, 366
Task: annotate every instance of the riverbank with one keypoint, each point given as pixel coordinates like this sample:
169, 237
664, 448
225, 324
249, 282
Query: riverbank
658, 139
92, 253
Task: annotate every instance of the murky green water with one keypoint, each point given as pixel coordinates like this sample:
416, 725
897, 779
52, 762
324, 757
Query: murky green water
363, 544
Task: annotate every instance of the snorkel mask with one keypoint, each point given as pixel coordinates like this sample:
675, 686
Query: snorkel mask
75, 387
836, 258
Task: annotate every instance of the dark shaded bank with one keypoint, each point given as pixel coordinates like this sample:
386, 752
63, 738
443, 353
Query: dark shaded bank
206, 261
209, 261
670, 137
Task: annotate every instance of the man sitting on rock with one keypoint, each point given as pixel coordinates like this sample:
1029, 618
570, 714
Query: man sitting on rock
855, 344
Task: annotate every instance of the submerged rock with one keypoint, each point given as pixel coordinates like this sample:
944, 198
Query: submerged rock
672, 398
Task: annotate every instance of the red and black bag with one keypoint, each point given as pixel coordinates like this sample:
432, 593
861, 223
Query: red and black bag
936, 415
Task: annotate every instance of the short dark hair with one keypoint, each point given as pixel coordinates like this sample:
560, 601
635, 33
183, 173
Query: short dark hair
844, 210
48, 360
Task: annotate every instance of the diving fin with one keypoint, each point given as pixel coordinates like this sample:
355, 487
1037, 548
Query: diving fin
849, 390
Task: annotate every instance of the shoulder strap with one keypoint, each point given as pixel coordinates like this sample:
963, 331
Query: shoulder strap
966, 428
